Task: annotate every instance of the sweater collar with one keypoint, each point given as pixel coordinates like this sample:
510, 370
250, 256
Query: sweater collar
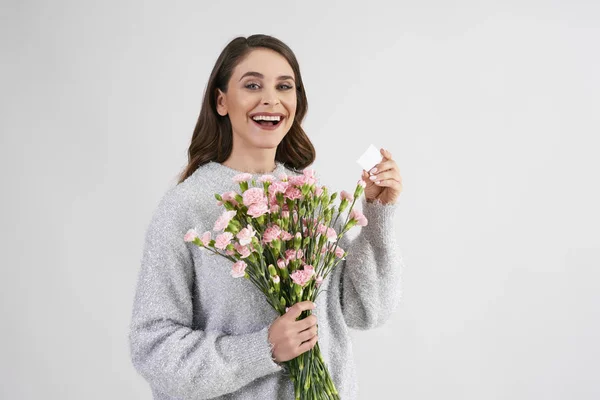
230, 172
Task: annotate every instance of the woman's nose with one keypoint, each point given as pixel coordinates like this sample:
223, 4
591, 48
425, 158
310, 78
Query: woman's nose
270, 97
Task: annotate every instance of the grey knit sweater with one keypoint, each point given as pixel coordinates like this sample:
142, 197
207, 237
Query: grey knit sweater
197, 333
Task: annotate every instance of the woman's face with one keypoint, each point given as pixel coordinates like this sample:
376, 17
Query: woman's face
261, 87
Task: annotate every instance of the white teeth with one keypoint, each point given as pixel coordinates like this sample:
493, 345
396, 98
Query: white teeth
266, 118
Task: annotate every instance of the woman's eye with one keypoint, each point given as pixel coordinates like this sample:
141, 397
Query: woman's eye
252, 86
286, 87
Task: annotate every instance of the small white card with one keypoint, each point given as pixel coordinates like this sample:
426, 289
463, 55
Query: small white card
370, 158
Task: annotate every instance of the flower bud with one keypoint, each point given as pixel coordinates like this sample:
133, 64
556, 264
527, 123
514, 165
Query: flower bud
281, 263
272, 270
360, 188
343, 205
276, 281
305, 242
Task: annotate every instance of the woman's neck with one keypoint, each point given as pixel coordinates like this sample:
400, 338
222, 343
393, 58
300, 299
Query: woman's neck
251, 165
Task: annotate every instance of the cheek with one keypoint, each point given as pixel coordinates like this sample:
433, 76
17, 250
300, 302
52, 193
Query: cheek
291, 107
241, 106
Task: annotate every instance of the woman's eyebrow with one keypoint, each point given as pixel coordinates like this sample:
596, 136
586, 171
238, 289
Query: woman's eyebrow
261, 76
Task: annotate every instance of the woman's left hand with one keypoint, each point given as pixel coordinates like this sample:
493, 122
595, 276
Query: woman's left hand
385, 183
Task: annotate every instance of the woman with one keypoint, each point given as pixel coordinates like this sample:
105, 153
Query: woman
197, 333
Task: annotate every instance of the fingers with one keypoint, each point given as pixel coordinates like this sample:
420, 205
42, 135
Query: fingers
297, 309
307, 334
304, 347
385, 154
365, 177
305, 323
391, 183
383, 166
385, 176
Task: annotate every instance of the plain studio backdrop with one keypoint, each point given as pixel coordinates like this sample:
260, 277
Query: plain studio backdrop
490, 109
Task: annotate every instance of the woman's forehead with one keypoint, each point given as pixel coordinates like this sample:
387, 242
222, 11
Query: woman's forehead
265, 62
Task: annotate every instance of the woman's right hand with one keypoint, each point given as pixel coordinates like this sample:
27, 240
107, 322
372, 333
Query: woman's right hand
289, 337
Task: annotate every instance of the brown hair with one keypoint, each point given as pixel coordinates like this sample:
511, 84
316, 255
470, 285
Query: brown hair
213, 138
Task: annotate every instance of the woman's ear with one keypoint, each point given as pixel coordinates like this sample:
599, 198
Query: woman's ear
221, 105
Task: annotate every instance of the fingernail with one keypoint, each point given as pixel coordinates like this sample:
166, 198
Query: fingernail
373, 171
373, 177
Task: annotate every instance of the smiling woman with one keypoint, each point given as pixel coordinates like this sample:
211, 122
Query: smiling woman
260, 98
196, 332
253, 109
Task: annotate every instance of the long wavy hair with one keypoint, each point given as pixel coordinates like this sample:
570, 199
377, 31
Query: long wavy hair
213, 137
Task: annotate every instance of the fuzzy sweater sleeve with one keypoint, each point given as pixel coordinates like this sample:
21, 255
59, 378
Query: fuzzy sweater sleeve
165, 349
370, 280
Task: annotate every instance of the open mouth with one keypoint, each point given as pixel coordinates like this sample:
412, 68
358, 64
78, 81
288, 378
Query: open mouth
267, 122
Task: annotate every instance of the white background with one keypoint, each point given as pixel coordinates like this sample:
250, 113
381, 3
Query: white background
490, 108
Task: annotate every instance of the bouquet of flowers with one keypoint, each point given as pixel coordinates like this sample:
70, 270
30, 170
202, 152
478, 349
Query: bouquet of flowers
279, 233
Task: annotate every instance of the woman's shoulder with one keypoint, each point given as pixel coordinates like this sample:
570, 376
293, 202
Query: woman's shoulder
184, 202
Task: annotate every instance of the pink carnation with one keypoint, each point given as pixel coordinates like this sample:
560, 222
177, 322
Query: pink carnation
339, 252
309, 175
285, 214
275, 279
245, 235
309, 269
346, 196
359, 217
239, 269
266, 178
278, 187
285, 236
300, 277
223, 220
322, 229
318, 281
271, 233
205, 239
318, 191
297, 180
281, 263
292, 254
258, 209
190, 235
230, 197
243, 250
293, 193
223, 240
274, 209
361, 183
242, 178
331, 235
253, 196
